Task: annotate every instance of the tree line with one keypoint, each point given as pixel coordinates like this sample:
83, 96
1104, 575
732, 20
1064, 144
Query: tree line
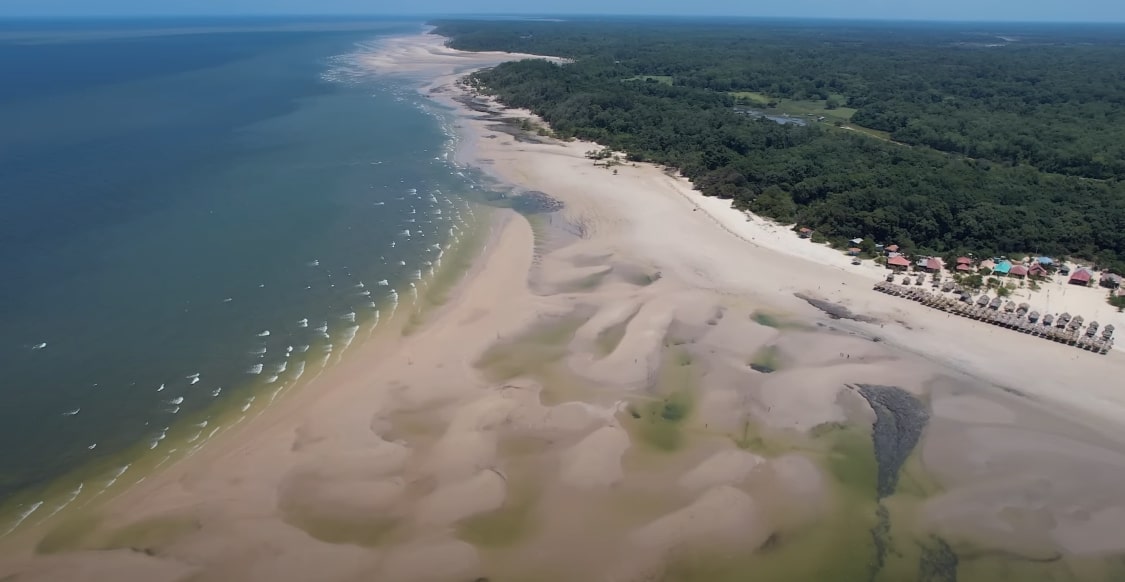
1016, 145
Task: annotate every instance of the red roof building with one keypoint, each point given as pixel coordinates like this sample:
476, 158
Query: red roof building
964, 267
964, 261
898, 262
1081, 277
1018, 271
934, 264
892, 248
1037, 270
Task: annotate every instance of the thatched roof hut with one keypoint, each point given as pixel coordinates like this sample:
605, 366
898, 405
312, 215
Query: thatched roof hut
995, 304
1107, 332
1023, 307
1033, 316
1010, 306
966, 297
1048, 319
1092, 329
983, 301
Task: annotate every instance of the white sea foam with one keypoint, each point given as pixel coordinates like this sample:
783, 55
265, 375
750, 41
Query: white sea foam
406, 233
265, 333
366, 294
228, 299
195, 437
255, 369
349, 316
384, 283
418, 275
72, 412
161, 388
271, 379
156, 441
282, 367
403, 263
69, 499
328, 347
303, 323
304, 348
177, 400
23, 516
245, 406
215, 393
298, 370
173, 410
39, 346
348, 336
323, 328
203, 424
314, 263
258, 352
360, 285
372, 305
92, 446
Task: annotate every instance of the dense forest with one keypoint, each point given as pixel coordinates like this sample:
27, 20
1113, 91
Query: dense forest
998, 142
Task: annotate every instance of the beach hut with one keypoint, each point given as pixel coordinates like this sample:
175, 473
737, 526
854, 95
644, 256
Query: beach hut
964, 261
1018, 271
899, 263
1064, 269
964, 268
1107, 333
857, 241
995, 304
988, 264
1110, 280
1092, 329
1081, 277
1002, 268
1033, 316
1048, 320
1010, 306
805, 232
934, 264
1045, 261
1037, 270
1063, 319
982, 301
1022, 309
891, 249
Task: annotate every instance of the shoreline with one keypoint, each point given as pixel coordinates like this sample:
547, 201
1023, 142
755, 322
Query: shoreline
628, 381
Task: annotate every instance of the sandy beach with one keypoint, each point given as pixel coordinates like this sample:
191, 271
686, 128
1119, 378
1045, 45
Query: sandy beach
629, 388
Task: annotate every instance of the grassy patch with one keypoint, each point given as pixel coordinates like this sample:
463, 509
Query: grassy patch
658, 422
609, 338
750, 438
68, 535
767, 360
151, 533
507, 525
530, 352
767, 319
369, 532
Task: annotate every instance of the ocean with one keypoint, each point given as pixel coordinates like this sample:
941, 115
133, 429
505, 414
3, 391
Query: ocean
194, 216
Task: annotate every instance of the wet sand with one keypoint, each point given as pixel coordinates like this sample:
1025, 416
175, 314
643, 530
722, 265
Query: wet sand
624, 390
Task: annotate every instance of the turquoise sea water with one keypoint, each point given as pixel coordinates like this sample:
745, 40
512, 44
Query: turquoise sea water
194, 215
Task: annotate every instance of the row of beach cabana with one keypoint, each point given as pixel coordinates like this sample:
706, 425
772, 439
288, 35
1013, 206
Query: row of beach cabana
1064, 328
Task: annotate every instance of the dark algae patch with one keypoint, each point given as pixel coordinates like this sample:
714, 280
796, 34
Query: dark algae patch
900, 419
